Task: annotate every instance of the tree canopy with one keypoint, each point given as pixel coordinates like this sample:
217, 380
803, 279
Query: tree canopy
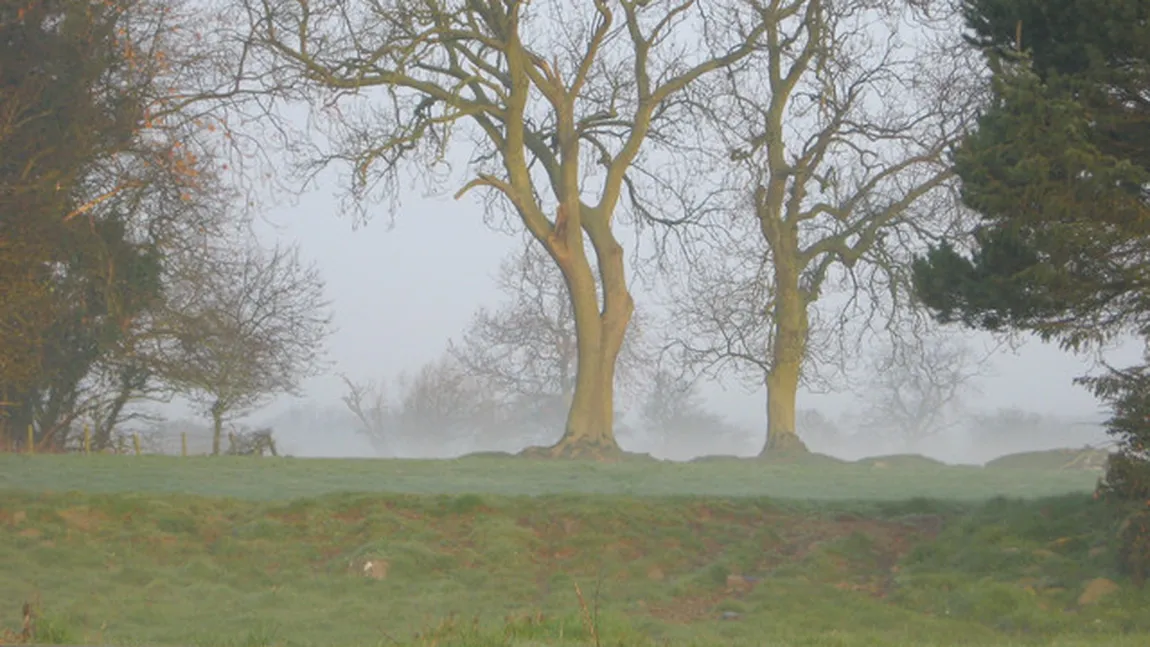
71, 101
1058, 172
108, 181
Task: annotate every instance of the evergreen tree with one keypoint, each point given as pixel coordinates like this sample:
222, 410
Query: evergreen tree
1059, 173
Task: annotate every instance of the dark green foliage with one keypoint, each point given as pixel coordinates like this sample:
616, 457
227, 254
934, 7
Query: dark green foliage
1134, 546
72, 100
1059, 171
106, 281
1128, 392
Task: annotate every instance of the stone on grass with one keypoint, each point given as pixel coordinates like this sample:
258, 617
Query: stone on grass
373, 568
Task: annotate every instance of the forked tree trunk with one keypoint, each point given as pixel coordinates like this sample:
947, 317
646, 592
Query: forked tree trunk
599, 331
790, 337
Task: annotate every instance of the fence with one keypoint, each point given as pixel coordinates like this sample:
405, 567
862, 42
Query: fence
258, 442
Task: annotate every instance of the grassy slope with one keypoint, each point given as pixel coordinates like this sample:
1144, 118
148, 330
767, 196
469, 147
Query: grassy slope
261, 569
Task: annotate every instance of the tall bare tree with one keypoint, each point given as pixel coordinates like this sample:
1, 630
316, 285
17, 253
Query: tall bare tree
244, 326
559, 103
527, 348
838, 132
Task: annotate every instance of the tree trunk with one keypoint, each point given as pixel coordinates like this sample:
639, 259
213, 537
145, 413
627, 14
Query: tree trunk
217, 427
790, 336
590, 433
782, 395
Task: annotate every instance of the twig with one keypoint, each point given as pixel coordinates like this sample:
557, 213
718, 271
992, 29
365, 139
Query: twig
588, 621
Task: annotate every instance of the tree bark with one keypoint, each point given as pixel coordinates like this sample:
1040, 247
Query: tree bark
791, 326
599, 333
589, 432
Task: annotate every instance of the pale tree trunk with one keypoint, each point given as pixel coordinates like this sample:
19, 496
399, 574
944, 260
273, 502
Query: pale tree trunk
589, 432
786, 366
599, 332
791, 326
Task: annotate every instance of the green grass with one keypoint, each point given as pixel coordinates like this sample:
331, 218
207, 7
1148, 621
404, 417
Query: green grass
470, 563
289, 478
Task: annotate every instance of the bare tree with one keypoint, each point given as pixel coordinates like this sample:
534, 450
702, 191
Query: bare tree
559, 102
838, 132
368, 401
814, 425
244, 326
916, 388
437, 405
675, 416
527, 348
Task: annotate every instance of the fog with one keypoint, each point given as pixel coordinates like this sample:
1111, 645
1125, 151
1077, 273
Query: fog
401, 289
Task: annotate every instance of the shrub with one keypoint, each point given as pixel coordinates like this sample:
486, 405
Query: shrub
1126, 483
1134, 545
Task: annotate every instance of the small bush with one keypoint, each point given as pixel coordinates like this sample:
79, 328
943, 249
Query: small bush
1127, 478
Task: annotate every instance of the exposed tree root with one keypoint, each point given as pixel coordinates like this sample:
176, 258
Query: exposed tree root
580, 449
784, 446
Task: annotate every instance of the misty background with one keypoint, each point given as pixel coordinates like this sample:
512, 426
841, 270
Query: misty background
401, 288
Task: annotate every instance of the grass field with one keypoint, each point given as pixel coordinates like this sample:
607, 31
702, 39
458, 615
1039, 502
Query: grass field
248, 553
279, 479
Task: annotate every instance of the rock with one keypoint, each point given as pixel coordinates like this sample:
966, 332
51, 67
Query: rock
730, 615
1095, 590
376, 569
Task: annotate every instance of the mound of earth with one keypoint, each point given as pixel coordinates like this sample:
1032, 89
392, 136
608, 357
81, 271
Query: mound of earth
910, 571
901, 461
811, 459
1086, 458
488, 454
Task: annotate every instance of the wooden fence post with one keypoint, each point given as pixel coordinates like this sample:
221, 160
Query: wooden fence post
87, 441
31, 440
184, 444
136, 443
